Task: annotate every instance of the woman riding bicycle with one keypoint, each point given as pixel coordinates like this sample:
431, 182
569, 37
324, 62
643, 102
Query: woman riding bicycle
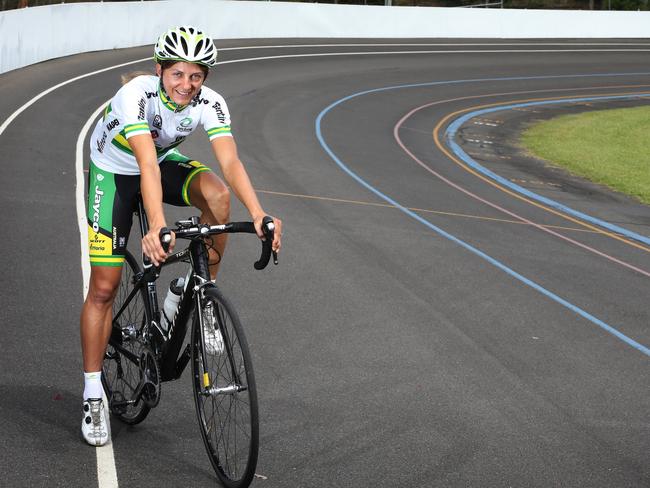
133, 149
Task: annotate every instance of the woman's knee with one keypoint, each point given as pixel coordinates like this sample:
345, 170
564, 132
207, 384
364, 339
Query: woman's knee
103, 285
213, 196
219, 199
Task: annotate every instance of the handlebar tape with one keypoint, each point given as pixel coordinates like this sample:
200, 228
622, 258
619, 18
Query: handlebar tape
266, 244
246, 227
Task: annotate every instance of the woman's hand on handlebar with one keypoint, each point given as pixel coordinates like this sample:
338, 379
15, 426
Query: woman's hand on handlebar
152, 247
277, 234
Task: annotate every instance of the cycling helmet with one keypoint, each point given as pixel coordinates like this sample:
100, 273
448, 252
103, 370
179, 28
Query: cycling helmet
186, 43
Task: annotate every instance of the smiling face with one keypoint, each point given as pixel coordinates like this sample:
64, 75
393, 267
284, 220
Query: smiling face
182, 81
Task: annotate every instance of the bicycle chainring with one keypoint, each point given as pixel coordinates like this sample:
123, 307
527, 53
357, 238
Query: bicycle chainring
117, 403
150, 377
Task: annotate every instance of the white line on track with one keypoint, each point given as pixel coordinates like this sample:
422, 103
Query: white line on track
106, 470
79, 197
445, 44
11, 118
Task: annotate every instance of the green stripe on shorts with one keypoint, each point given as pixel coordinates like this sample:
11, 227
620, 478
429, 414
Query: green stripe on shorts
106, 260
200, 168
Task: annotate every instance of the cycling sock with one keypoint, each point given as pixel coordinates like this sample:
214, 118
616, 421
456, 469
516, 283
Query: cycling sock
93, 385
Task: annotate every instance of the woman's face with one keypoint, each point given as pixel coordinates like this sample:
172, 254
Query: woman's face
182, 81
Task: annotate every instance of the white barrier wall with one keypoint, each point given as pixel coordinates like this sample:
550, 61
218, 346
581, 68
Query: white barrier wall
35, 34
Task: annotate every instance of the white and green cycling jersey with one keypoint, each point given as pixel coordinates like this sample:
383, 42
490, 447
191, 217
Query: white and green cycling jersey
141, 106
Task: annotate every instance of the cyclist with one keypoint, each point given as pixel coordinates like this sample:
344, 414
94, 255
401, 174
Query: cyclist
133, 148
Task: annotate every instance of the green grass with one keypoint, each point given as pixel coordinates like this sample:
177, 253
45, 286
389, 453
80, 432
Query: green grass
610, 147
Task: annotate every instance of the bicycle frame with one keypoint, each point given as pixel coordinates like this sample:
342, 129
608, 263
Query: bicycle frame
167, 345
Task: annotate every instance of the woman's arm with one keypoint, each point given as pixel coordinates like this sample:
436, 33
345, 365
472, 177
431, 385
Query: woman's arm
151, 190
235, 175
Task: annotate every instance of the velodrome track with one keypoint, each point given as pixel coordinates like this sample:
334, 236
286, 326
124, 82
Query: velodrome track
425, 327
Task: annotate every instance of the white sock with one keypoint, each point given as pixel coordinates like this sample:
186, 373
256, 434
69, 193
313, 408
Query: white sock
93, 385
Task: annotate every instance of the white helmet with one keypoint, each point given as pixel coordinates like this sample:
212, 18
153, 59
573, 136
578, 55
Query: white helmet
186, 43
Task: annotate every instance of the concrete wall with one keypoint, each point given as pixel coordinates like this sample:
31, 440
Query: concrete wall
35, 34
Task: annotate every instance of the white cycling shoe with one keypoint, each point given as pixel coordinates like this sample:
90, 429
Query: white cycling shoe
94, 425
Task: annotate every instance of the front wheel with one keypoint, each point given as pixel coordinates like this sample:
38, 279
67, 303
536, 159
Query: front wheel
224, 390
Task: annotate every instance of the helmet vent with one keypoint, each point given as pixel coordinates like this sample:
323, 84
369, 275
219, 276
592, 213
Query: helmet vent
198, 48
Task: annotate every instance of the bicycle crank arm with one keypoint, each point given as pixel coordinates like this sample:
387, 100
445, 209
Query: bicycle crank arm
123, 403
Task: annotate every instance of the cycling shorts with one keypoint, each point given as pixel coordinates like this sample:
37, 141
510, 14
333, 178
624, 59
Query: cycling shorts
112, 200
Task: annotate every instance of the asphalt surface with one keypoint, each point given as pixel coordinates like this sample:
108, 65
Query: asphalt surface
386, 354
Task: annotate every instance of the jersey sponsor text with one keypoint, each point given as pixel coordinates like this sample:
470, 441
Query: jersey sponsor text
98, 200
112, 124
220, 114
102, 142
141, 104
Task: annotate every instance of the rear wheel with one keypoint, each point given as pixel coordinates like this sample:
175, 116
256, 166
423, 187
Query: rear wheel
224, 390
121, 372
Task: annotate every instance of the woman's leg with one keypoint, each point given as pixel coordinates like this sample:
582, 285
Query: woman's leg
96, 318
211, 196
96, 315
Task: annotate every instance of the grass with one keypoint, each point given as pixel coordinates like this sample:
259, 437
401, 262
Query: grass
610, 147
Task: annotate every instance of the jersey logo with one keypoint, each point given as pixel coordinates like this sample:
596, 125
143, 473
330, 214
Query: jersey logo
185, 125
157, 122
154, 134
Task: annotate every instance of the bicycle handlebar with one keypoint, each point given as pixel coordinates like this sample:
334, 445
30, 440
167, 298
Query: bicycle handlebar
192, 229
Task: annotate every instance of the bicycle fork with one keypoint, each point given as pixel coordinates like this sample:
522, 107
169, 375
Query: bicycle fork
210, 387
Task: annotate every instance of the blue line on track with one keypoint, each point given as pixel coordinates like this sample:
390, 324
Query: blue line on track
451, 131
606, 327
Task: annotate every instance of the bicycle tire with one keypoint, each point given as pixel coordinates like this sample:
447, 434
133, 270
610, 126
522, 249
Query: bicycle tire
229, 422
120, 372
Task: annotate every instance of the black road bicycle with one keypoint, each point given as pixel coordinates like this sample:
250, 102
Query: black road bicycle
142, 354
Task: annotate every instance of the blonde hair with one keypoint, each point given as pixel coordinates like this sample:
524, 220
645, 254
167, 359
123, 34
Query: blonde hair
134, 74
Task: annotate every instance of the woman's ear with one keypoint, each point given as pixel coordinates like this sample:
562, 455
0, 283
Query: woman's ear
158, 69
